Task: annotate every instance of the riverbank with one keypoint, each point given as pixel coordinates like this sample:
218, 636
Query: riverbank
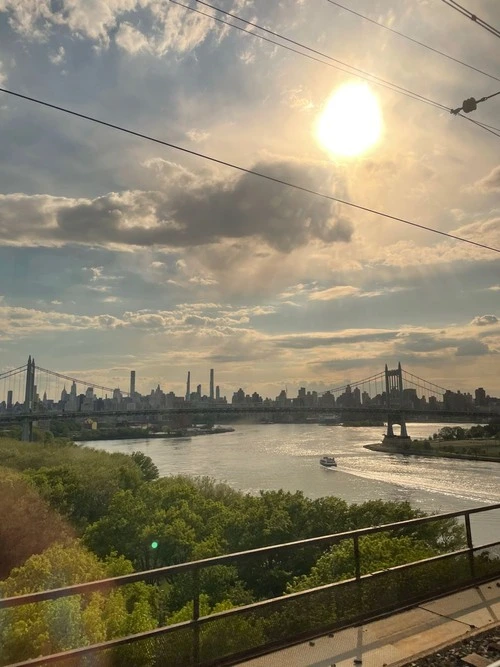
140, 435
438, 450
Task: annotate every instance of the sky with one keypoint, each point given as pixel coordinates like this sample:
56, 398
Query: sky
117, 253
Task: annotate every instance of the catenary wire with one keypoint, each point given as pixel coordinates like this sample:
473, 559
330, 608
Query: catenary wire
415, 41
251, 172
356, 71
374, 79
473, 17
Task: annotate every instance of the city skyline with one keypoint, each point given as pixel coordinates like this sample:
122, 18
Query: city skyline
373, 391
117, 254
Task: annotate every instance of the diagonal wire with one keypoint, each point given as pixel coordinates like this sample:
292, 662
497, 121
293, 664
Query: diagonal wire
415, 41
473, 17
362, 74
358, 73
252, 172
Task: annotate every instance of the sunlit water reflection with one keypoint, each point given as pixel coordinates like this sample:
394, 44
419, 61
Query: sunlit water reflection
286, 456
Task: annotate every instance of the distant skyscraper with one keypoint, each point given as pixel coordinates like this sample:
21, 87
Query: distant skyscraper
217, 393
198, 390
188, 387
132, 383
211, 384
9, 399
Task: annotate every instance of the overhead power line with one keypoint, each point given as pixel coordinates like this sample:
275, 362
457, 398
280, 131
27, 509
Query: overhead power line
415, 41
353, 71
487, 128
470, 104
251, 172
367, 76
473, 17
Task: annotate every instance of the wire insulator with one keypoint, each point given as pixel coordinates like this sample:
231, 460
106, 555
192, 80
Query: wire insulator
469, 105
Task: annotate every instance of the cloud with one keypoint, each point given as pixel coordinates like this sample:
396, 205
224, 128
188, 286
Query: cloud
490, 183
311, 341
128, 20
58, 57
332, 293
188, 212
197, 136
484, 320
470, 348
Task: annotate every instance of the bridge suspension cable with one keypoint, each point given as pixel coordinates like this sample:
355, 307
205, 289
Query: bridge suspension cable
426, 383
12, 371
88, 383
372, 378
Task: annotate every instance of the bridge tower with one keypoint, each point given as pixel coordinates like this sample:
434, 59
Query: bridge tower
29, 400
394, 399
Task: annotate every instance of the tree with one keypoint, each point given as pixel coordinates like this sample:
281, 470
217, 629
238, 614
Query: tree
28, 525
148, 468
377, 552
52, 626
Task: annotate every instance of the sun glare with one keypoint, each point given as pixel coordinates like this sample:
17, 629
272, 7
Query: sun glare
351, 121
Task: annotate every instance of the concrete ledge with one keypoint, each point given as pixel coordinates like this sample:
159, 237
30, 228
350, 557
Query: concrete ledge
398, 639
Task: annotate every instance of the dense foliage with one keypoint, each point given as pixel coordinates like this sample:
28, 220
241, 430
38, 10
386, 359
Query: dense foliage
474, 432
92, 514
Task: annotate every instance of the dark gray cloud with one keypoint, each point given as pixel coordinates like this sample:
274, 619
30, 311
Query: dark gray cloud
421, 343
310, 342
484, 320
190, 211
472, 348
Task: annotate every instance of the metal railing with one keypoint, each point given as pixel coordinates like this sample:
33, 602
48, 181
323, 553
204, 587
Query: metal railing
249, 630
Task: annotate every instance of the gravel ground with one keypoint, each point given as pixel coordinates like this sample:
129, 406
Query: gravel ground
483, 644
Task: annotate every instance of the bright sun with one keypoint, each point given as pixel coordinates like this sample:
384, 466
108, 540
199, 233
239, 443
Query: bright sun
351, 121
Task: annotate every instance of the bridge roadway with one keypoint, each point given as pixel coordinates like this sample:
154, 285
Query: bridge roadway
372, 411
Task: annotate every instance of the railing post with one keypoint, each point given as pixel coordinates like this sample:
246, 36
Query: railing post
196, 616
470, 545
357, 564
357, 571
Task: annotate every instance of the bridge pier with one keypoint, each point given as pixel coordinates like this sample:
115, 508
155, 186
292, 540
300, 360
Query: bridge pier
400, 421
394, 392
27, 431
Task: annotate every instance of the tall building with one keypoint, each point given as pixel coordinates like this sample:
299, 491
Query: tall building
198, 390
217, 393
212, 384
188, 387
132, 384
9, 399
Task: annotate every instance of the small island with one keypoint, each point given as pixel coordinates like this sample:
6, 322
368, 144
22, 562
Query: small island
478, 443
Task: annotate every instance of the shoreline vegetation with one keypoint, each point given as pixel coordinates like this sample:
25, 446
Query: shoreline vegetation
478, 443
73, 514
138, 434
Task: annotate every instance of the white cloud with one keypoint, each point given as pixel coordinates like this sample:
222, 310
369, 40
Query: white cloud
484, 320
175, 28
339, 292
197, 136
490, 182
131, 40
58, 57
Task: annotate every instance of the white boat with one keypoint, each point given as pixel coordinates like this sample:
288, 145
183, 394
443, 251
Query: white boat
328, 462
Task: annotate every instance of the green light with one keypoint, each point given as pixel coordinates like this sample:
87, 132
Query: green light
154, 545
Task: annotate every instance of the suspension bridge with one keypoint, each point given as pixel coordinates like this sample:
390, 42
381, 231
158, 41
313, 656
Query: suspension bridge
30, 394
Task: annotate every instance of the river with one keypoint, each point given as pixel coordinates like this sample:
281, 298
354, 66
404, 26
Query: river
286, 456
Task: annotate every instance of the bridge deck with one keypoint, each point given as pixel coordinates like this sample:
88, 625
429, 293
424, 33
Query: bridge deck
399, 638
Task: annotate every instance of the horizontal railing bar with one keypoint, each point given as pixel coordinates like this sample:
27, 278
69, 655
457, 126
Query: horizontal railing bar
104, 646
256, 606
148, 575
